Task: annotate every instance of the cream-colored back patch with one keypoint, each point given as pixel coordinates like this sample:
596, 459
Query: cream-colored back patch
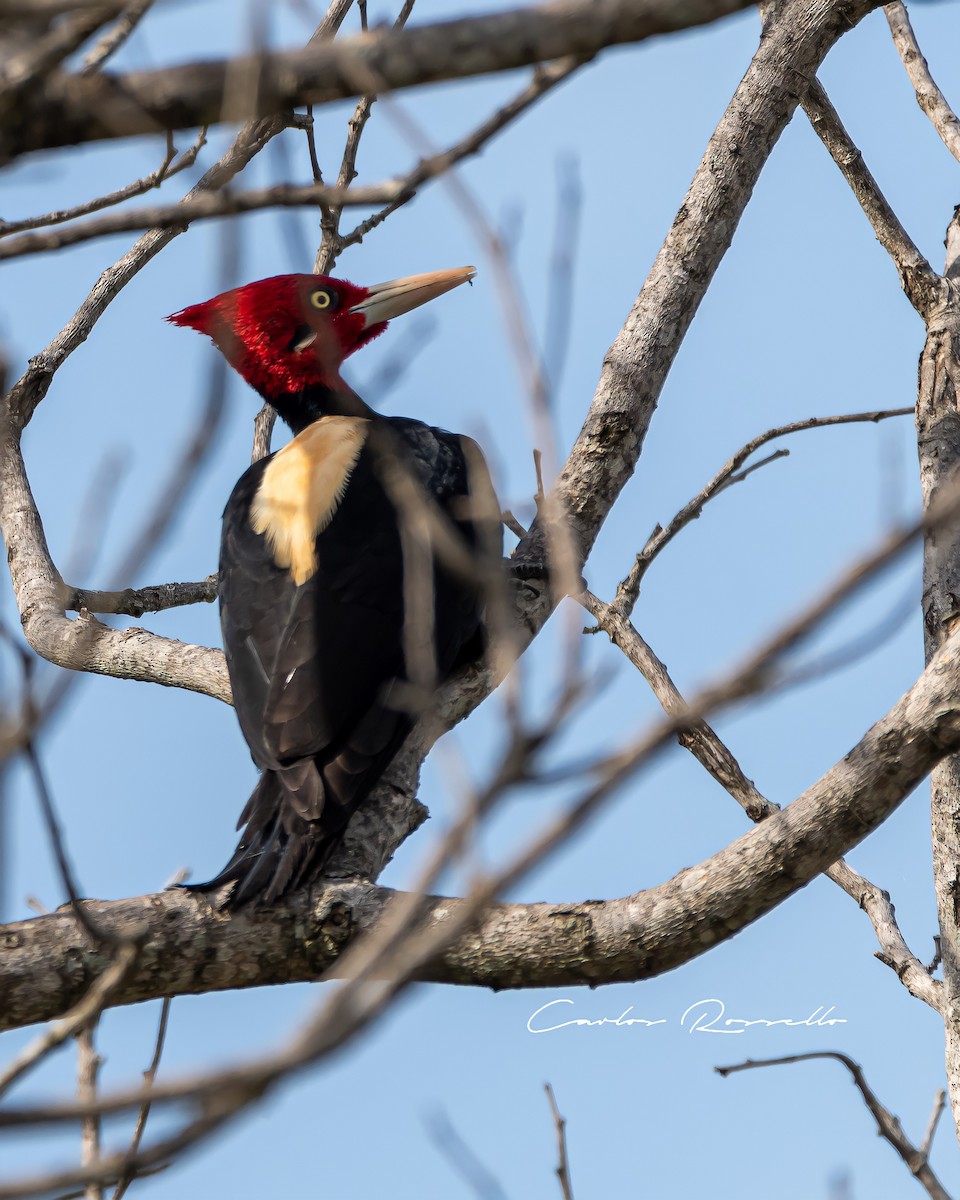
302, 488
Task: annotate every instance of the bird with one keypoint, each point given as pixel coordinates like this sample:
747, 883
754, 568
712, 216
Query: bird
324, 581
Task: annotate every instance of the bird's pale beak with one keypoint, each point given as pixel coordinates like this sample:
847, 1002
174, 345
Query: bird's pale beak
384, 301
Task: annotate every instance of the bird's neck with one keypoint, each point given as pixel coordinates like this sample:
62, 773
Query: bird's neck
300, 409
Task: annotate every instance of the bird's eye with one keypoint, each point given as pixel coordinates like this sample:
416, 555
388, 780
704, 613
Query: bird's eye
323, 299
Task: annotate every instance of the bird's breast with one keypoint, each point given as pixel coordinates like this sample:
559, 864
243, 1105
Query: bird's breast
301, 490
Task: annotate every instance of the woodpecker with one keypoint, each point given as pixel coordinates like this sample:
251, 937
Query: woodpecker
320, 606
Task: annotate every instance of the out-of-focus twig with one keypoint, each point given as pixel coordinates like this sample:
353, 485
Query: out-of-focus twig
115, 37
149, 1075
81, 1015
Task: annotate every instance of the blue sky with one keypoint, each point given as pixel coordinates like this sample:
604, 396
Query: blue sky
805, 317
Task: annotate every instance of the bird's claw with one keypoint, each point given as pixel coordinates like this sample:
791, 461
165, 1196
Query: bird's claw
527, 569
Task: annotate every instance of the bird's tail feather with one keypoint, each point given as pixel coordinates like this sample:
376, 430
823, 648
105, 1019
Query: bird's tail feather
282, 839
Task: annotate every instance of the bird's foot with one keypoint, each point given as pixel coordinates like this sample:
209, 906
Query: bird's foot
527, 569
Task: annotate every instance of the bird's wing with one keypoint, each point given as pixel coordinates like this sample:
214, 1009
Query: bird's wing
309, 659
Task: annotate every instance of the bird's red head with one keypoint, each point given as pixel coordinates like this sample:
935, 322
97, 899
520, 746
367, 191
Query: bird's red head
291, 333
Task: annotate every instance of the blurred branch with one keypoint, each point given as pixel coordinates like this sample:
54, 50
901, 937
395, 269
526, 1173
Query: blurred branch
149, 1076
888, 1127
536, 945
115, 37
929, 97
70, 110
104, 987
25, 66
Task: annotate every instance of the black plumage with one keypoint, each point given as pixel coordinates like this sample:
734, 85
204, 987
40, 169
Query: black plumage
318, 561
318, 669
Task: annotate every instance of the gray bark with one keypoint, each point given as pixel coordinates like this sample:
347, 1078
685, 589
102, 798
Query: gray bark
69, 109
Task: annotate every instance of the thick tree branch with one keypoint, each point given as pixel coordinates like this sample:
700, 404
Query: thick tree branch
71, 109
938, 434
705, 745
85, 644
189, 947
796, 39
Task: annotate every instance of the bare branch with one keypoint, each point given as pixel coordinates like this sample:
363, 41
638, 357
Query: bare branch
929, 97
134, 602
149, 1076
888, 1127
939, 1103
89, 1063
115, 37
69, 110
629, 589
166, 170
922, 285
705, 745
197, 207
331, 244
101, 992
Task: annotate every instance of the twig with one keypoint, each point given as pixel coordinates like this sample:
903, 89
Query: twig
167, 169
939, 1102
544, 79
929, 97
712, 753
888, 1127
149, 1075
629, 589
331, 244
563, 1165
922, 285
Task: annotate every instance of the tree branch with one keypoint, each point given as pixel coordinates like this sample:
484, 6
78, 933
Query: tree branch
70, 110
922, 285
189, 947
888, 1127
929, 97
